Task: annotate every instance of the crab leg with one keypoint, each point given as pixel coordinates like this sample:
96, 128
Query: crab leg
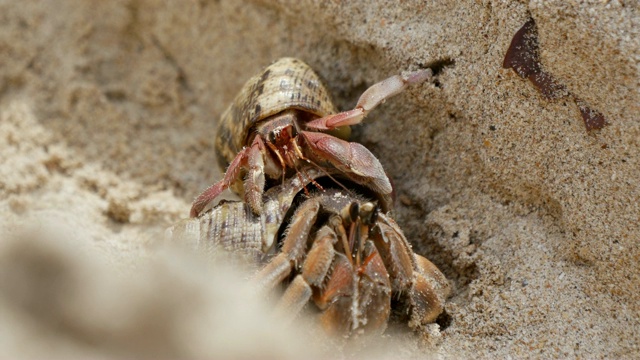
293, 247
423, 283
428, 293
216, 189
254, 183
314, 271
396, 253
371, 98
249, 157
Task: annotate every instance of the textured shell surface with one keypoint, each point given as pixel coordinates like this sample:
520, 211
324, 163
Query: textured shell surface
234, 228
288, 83
230, 226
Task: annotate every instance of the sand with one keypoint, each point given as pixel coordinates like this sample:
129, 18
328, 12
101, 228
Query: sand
107, 121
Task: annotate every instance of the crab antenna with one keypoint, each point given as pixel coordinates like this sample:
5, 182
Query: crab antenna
342, 233
299, 173
329, 176
275, 151
364, 264
352, 235
361, 234
313, 181
304, 187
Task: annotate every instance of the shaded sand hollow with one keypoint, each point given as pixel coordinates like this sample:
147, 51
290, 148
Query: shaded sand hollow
107, 114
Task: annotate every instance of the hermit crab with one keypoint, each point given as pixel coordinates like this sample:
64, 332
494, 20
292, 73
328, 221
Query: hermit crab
333, 248
281, 120
349, 258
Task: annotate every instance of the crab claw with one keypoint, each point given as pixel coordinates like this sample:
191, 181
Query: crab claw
353, 159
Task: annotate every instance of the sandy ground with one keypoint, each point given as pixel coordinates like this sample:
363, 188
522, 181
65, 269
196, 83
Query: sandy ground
107, 120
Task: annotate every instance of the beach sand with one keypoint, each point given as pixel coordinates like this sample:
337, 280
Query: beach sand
107, 122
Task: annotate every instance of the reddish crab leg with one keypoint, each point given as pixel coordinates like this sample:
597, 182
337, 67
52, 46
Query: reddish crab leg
250, 158
216, 189
371, 98
314, 271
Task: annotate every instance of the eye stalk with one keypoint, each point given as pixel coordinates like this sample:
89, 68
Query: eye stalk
280, 130
369, 212
281, 136
293, 131
272, 136
350, 213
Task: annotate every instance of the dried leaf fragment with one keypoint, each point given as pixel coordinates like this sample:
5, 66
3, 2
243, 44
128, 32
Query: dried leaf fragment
523, 56
593, 119
548, 86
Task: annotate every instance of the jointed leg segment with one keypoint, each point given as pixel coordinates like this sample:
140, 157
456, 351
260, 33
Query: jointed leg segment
371, 98
314, 270
250, 158
293, 248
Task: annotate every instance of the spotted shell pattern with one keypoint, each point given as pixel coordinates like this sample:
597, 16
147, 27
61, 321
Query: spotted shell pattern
233, 227
230, 226
288, 83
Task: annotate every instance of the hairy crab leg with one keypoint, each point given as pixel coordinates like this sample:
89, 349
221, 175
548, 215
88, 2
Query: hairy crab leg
396, 253
425, 286
293, 248
428, 293
314, 270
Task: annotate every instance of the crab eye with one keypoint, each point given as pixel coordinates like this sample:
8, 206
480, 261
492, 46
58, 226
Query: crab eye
350, 213
271, 137
374, 215
354, 210
293, 132
368, 213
